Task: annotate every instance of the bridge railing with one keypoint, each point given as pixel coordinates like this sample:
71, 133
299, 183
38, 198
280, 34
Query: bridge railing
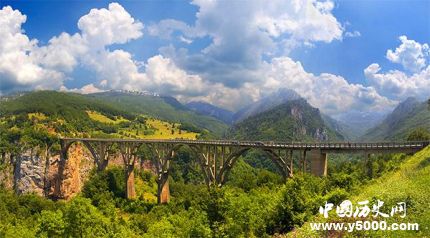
277, 144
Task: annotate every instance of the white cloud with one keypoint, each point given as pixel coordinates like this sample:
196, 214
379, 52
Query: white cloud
26, 65
87, 89
101, 27
62, 53
243, 33
397, 84
410, 54
331, 93
19, 70
352, 34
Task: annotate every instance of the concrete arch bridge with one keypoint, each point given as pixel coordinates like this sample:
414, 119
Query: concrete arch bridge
216, 157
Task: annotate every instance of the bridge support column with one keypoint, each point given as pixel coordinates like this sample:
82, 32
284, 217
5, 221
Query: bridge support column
163, 154
216, 162
318, 162
58, 189
283, 159
100, 152
163, 193
129, 156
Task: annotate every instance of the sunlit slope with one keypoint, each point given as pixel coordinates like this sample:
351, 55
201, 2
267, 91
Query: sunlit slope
410, 184
146, 128
163, 108
76, 115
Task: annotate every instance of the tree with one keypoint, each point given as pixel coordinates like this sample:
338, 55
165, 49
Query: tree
51, 224
84, 220
419, 134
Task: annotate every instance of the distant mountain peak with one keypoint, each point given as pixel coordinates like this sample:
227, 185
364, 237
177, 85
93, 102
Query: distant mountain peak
294, 120
268, 102
208, 109
407, 116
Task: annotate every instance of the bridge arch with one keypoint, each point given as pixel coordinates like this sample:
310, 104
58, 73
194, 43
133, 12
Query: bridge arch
283, 162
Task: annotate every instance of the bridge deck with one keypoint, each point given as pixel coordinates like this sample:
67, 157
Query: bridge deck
332, 147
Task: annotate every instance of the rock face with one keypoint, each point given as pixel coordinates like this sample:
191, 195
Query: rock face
28, 175
6, 172
77, 170
30, 168
31, 174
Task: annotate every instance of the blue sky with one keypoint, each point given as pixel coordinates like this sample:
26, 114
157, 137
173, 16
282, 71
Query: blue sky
228, 53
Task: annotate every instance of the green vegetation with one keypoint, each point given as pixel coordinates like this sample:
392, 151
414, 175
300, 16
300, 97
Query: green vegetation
292, 121
163, 108
105, 115
253, 203
407, 117
409, 182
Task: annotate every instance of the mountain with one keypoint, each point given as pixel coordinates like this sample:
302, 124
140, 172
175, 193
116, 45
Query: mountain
207, 109
339, 127
359, 122
108, 114
407, 116
161, 107
294, 120
281, 96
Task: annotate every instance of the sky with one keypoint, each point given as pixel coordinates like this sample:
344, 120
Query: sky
341, 56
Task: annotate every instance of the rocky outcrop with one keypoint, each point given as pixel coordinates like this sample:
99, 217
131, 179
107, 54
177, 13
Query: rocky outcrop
77, 170
32, 174
6, 172
28, 175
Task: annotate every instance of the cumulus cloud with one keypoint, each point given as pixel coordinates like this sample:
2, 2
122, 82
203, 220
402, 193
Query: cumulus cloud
397, 84
87, 89
25, 65
410, 54
102, 27
243, 33
19, 70
331, 93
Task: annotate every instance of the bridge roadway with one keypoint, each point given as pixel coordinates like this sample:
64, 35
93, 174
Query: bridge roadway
216, 157
329, 147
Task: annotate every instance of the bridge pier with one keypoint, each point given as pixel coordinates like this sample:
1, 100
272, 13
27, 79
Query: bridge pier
58, 194
129, 156
216, 162
100, 153
283, 159
163, 154
318, 161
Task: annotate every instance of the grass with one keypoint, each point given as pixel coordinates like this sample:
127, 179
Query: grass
96, 116
410, 184
158, 129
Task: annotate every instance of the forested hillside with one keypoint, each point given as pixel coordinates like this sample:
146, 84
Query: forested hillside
162, 107
407, 116
294, 120
409, 182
